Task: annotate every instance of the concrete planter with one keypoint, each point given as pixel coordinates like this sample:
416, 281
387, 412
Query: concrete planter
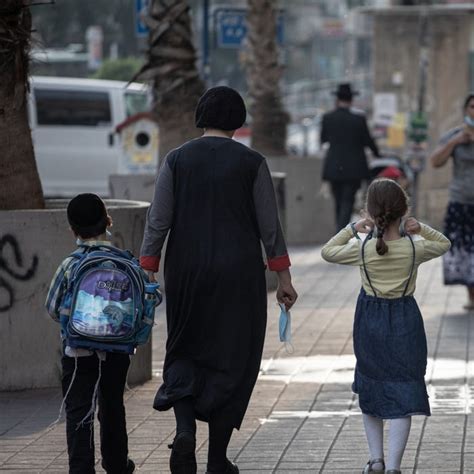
32, 244
309, 214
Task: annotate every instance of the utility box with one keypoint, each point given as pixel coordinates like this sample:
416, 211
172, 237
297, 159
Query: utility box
139, 137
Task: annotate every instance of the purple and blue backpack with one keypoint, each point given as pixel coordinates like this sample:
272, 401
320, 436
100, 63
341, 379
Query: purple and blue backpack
109, 303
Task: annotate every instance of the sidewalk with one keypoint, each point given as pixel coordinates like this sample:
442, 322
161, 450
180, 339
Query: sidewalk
302, 416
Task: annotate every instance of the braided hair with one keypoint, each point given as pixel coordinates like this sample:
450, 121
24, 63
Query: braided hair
386, 202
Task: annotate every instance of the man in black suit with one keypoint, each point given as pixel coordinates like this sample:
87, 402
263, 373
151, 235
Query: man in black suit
345, 163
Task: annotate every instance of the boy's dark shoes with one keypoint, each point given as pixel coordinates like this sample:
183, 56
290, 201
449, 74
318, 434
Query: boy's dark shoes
231, 468
183, 456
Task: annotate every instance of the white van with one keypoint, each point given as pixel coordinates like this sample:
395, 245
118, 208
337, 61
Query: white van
73, 125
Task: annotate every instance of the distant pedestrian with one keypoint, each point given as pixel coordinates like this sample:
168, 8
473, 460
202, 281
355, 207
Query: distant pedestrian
458, 144
345, 164
215, 197
389, 336
86, 373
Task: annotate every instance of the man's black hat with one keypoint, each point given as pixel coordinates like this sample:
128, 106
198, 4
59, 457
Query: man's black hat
222, 108
344, 91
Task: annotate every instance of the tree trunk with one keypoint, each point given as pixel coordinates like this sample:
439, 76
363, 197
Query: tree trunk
269, 119
171, 65
20, 186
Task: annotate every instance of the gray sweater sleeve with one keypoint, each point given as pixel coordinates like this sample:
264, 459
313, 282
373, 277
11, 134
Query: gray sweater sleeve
159, 219
269, 225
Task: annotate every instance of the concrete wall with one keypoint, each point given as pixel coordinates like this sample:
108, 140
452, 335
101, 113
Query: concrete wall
309, 213
396, 49
32, 244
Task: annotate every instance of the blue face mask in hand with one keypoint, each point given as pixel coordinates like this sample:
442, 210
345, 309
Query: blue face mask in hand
285, 328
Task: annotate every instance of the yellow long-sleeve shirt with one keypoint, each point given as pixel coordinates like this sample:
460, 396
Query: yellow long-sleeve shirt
388, 273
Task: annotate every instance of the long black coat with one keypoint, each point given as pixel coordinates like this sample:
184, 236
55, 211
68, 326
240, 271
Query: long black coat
347, 134
216, 197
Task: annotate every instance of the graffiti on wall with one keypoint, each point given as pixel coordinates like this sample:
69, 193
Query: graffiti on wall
12, 267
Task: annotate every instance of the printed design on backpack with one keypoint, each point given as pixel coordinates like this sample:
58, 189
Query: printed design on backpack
109, 304
104, 304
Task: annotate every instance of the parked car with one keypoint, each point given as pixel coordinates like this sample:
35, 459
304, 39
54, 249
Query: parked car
73, 123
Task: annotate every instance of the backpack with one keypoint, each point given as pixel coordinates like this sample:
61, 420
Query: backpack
109, 303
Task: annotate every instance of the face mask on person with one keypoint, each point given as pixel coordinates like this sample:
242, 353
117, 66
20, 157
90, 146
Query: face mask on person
469, 121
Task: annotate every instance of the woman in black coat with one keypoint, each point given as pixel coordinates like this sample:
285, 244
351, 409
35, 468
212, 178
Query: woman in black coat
215, 197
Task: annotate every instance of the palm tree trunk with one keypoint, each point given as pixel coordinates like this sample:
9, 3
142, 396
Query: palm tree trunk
171, 65
20, 186
269, 119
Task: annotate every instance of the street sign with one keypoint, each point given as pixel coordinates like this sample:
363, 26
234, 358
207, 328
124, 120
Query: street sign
141, 10
231, 27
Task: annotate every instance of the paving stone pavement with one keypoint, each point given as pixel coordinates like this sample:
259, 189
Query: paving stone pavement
303, 416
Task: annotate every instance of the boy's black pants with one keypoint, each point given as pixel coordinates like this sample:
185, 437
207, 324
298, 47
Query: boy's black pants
113, 432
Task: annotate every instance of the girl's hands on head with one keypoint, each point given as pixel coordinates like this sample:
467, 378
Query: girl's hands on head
412, 226
364, 225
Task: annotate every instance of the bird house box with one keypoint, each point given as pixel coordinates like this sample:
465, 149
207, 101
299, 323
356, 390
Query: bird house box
139, 137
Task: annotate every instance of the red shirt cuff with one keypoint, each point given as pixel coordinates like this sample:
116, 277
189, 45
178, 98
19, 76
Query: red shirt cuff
277, 264
151, 264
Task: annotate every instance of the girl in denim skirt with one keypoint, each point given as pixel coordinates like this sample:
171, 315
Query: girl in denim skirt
389, 336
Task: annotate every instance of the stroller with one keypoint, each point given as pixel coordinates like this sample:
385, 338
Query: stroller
392, 167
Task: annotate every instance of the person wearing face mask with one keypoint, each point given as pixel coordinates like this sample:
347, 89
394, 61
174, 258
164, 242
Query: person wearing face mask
458, 144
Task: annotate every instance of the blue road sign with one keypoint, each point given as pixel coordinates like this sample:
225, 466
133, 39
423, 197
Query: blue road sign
231, 27
141, 9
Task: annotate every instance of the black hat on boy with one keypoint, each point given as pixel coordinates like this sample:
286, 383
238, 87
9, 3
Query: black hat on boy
87, 215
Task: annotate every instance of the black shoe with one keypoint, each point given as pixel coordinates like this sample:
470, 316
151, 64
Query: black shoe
130, 467
128, 470
183, 456
231, 468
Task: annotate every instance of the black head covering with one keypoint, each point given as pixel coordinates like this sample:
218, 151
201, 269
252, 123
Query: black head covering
222, 108
87, 214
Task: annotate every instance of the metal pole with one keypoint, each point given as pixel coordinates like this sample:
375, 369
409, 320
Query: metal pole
422, 77
205, 41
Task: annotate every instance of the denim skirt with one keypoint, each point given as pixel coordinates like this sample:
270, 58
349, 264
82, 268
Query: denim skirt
391, 352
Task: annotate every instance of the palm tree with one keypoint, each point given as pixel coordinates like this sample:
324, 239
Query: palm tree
20, 186
171, 65
269, 119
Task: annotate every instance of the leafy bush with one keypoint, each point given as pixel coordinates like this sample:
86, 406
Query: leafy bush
122, 69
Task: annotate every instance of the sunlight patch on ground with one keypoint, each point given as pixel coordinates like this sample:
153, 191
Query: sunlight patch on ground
456, 397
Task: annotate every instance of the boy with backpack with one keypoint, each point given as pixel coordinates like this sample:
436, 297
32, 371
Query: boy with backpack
99, 296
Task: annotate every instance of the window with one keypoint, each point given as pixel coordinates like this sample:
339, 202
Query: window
136, 102
72, 108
